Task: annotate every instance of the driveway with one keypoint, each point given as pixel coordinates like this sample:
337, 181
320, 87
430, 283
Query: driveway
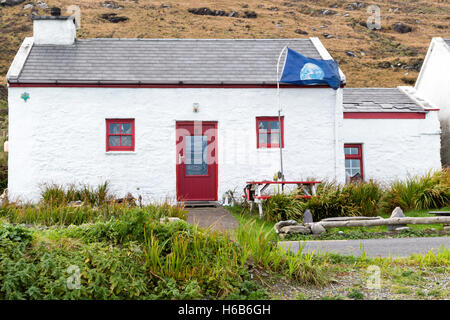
398, 247
215, 218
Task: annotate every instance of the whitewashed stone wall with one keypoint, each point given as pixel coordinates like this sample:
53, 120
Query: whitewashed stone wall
58, 136
396, 148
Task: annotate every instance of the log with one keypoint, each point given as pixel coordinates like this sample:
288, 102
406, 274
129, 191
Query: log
385, 222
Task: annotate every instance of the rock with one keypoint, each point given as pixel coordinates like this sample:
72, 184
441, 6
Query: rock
42, 5
55, 11
402, 228
282, 224
341, 232
400, 27
4, 196
28, 6
111, 5
76, 204
113, 17
447, 228
250, 14
362, 53
351, 218
11, 3
169, 219
307, 217
396, 213
326, 12
300, 31
295, 230
351, 54
355, 5
317, 228
328, 36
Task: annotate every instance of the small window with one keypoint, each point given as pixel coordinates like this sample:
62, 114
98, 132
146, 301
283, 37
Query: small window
119, 134
269, 131
353, 162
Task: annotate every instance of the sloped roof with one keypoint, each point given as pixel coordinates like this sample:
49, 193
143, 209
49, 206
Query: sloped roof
161, 61
447, 41
378, 100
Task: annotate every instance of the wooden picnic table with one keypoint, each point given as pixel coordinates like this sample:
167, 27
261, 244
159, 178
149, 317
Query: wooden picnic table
254, 190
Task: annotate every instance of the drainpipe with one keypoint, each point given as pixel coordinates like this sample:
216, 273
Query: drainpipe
337, 114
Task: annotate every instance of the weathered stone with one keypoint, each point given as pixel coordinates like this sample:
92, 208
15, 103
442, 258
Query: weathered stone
447, 228
300, 31
317, 228
400, 27
282, 224
396, 213
250, 14
113, 17
351, 54
169, 219
307, 217
351, 218
111, 5
295, 229
402, 228
11, 3
42, 5
28, 6
77, 203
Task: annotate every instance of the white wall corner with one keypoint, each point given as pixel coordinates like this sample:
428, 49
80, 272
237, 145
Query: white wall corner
326, 55
19, 60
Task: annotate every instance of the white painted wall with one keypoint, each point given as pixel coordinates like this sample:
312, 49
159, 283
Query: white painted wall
396, 148
58, 136
433, 85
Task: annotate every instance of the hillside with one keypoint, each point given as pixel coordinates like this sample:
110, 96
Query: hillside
380, 58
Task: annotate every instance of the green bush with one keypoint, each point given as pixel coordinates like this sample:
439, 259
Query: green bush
282, 207
431, 191
55, 195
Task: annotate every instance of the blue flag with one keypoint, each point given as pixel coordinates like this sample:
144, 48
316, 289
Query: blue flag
299, 69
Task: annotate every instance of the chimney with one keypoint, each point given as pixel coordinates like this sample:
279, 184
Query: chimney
57, 30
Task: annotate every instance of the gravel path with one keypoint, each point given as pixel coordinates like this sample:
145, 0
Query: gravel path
216, 218
398, 247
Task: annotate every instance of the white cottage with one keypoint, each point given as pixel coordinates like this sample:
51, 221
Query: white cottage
189, 119
433, 84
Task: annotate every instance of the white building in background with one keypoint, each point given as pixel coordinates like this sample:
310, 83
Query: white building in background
189, 119
433, 84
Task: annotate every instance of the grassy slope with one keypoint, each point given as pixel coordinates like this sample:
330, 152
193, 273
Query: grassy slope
149, 19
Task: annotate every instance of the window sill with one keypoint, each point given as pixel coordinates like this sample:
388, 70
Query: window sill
120, 152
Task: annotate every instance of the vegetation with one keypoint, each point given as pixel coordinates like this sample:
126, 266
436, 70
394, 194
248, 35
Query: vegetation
431, 191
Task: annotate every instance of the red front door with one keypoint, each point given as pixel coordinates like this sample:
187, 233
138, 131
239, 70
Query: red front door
196, 143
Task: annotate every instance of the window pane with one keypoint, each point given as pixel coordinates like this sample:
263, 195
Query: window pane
263, 126
196, 155
356, 163
126, 128
114, 128
114, 141
126, 141
274, 125
263, 138
275, 139
353, 151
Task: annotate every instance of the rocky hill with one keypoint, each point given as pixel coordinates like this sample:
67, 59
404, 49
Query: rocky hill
381, 58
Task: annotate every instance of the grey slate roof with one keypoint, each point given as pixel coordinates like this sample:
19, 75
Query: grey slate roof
378, 100
161, 61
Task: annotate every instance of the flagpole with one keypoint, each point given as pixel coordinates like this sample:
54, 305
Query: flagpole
279, 116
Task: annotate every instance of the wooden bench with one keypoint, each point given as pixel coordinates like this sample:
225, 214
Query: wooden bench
441, 214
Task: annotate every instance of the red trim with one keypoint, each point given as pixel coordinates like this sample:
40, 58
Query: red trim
356, 156
432, 109
269, 145
120, 148
283, 182
180, 85
384, 115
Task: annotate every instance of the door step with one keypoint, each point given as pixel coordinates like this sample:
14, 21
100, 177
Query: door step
199, 204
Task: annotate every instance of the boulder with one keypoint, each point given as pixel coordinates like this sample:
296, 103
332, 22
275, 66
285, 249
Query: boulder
169, 219
400, 27
282, 224
76, 204
113, 17
11, 3
396, 213
317, 228
307, 217
402, 228
300, 31
297, 229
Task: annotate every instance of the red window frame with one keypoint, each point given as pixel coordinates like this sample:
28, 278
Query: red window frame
269, 145
119, 148
355, 156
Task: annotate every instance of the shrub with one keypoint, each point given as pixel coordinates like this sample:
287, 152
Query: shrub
56, 195
282, 207
431, 191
